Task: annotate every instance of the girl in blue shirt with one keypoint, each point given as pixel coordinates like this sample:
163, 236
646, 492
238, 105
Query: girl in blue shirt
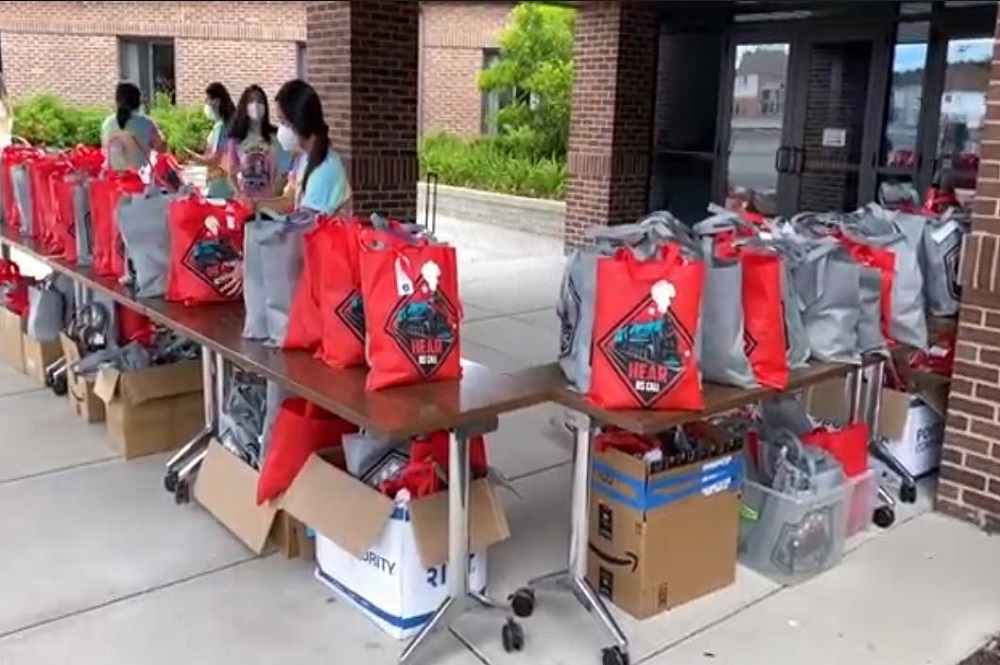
128, 136
318, 181
219, 108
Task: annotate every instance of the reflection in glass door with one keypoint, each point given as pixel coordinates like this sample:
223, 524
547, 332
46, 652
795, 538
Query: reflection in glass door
756, 156
963, 112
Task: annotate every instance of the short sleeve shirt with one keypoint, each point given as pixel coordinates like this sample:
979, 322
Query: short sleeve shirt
128, 149
327, 188
258, 164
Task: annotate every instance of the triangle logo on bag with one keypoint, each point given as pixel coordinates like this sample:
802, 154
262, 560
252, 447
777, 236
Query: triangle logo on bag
951, 260
351, 313
424, 322
649, 346
210, 258
569, 319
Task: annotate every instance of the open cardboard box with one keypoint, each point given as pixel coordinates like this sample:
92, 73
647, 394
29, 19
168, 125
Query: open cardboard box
12, 339
152, 410
38, 356
79, 390
339, 507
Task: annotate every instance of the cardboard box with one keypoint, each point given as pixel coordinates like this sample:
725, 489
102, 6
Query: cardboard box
12, 339
152, 410
79, 390
356, 528
658, 540
38, 356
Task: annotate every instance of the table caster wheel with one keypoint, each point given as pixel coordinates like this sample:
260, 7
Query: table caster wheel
182, 494
522, 602
59, 386
908, 493
884, 517
170, 481
512, 636
614, 656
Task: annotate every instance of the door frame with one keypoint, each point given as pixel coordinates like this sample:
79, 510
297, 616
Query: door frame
882, 37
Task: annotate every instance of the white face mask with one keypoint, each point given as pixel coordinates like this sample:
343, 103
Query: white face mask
287, 138
210, 112
255, 111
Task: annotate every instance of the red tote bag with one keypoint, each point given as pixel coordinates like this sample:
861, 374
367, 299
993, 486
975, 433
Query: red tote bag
300, 429
412, 310
105, 193
206, 247
342, 342
305, 319
646, 314
884, 260
13, 155
764, 317
434, 447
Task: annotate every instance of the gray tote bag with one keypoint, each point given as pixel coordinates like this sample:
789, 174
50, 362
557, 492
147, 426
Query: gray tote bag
22, 196
870, 337
46, 311
940, 251
827, 284
142, 221
275, 273
82, 227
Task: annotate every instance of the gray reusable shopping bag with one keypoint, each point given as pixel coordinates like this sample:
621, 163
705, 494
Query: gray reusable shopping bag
870, 337
46, 311
940, 251
827, 283
274, 269
241, 421
82, 224
796, 337
142, 221
22, 196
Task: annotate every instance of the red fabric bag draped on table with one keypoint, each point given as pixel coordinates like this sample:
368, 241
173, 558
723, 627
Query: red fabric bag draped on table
412, 311
44, 208
105, 192
645, 320
84, 164
206, 247
300, 429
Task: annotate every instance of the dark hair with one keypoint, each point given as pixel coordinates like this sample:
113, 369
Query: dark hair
218, 92
301, 107
127, 99
240, 125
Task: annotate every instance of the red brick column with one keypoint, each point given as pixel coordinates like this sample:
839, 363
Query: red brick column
363, 61
970, 472
611, 127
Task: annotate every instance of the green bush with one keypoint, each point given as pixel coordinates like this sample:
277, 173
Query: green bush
45, 120
492, 163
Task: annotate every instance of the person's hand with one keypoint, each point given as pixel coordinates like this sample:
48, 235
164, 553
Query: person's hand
231, 283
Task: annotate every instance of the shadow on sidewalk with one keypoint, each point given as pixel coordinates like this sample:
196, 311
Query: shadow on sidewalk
988, 655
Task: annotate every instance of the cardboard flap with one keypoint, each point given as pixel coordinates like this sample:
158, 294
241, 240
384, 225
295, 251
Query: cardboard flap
69, 348
338, 506
227, 488
429, 517
152, 383
106, 384
893, 411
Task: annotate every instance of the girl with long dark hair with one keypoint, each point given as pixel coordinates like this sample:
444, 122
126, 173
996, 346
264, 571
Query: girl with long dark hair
219, 108
256, 163
127, 135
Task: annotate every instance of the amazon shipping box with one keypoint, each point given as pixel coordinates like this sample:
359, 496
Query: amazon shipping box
661, 539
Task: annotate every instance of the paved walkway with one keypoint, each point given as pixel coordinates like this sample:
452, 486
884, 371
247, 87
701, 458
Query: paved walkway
99, 567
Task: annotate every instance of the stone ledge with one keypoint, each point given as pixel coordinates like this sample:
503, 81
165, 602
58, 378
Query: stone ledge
519, 213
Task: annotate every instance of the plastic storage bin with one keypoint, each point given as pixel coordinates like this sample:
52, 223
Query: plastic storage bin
790, 538
862, 491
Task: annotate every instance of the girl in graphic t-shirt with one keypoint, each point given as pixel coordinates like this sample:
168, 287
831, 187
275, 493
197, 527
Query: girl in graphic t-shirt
257, 164
220, 110
128, 136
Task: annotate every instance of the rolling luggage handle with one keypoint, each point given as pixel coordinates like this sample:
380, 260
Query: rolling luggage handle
431, 202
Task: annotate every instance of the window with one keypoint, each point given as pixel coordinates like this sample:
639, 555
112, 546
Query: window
492, 101
300, 60
149, 63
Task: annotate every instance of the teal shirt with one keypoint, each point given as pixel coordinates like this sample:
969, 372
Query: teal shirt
128, 149
327, 188
217, 182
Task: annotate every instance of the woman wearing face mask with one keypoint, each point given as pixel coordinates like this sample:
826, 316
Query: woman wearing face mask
318, 181
128, 136
256, 163
220, 110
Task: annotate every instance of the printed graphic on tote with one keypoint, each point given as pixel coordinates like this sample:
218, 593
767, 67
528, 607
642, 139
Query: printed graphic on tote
749, 343
645, 347
424, 322
569, 319
209, 257
352, 313
255, 170
951, 259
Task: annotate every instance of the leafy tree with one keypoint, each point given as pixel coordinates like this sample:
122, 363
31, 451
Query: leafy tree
534, 77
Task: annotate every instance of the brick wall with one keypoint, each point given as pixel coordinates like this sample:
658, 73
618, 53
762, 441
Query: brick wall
612, 119
454, 36
34, 36
970, 472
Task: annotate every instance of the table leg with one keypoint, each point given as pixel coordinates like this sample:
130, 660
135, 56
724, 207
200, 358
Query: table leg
460, 599
878, 448
185, 462
575, 577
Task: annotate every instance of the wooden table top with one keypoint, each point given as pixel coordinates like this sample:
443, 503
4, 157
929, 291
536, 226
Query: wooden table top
718, 398
397, 413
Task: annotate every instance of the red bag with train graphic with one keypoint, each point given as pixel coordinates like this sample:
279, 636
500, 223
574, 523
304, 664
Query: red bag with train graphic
206, 251
411, 308
646, 316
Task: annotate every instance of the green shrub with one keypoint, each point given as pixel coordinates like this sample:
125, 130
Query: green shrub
45, 120
492, 163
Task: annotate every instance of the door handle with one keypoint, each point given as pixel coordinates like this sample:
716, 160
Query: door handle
783, 159
798, 160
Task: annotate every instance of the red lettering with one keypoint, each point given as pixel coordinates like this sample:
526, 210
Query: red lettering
421, 347
647, 372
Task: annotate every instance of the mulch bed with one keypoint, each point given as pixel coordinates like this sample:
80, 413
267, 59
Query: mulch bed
988, 655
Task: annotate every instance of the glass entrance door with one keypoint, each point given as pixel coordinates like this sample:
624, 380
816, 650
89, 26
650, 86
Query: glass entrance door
839, 88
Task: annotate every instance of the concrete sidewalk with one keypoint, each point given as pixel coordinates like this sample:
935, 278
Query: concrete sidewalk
100, 567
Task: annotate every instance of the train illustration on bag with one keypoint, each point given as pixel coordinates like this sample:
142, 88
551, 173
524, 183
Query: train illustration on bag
653, 341
424, 319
